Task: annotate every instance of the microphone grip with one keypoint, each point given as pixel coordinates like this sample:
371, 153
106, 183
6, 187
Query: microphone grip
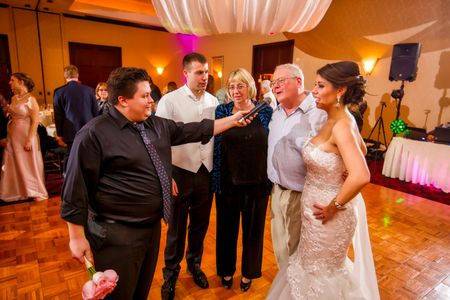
255, 110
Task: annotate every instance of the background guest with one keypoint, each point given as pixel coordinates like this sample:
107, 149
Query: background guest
22, 174
210, 85
171, 86
156, 92
74, 105
222, 96
240, 183
101, 93
266, 92
353, 108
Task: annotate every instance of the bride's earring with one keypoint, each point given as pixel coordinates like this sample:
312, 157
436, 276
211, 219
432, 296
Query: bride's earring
338, 103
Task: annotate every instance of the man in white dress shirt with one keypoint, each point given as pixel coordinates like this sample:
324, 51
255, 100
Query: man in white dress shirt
192, 164
294, 120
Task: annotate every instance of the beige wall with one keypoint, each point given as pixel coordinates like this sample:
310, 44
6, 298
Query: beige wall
140, 47
150, 49
23, 43
428, 92
7, 28
236, 48
52, 52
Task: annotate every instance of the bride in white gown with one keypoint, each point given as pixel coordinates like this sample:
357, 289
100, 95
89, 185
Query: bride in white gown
333, 211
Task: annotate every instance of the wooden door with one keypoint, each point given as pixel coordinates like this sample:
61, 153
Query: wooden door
94, 62
5, 67
267, 56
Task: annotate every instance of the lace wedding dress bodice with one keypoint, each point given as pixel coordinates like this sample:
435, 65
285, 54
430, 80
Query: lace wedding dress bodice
320, 268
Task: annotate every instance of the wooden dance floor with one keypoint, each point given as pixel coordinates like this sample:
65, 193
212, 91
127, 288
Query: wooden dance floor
410, 240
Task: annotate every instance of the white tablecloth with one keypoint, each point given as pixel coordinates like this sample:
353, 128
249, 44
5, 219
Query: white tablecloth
46, 116
51, 130
418, 162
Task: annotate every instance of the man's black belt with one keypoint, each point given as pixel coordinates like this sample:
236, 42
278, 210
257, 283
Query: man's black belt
131, 224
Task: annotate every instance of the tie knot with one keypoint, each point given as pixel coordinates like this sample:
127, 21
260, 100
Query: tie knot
139, 126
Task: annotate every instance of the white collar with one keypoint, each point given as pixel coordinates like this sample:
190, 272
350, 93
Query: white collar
191, 95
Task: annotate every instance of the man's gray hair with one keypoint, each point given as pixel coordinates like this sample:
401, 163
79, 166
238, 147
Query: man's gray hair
266, 84
294, 70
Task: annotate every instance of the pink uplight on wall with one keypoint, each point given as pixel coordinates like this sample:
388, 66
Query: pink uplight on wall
188, 42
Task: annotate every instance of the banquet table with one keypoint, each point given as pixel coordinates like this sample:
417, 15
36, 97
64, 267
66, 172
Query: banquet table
46, 116
425, 163
51, 130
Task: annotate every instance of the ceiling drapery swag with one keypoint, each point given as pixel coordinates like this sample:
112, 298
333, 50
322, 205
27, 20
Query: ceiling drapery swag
208, 17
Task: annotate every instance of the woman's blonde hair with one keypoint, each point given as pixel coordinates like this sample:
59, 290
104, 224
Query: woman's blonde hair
99, 86
243, 76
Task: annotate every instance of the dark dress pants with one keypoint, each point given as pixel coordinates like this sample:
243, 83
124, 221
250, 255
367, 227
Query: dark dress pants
251, 203
130, 251
194, 200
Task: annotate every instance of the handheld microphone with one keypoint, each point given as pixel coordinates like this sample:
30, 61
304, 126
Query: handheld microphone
256, 109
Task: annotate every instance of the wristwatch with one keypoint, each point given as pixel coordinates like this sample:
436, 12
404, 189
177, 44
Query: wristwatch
338, 206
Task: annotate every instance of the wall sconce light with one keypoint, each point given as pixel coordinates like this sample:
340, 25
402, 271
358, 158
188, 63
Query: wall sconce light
219, 74
369, 65
159, 70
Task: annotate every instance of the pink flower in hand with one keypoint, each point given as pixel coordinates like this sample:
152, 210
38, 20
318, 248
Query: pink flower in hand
99, 278
102, 283
102, 291
88, 292
111, 275
105, 283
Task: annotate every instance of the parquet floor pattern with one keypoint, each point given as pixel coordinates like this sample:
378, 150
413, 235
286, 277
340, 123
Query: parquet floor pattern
410, 240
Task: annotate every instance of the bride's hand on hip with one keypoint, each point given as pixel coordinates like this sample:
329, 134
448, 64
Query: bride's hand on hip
27, 146
324, 212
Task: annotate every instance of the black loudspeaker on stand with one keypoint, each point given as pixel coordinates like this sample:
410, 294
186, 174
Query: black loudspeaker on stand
403, 68
404, 62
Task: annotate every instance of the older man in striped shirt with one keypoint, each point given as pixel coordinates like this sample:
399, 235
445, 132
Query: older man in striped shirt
293, 122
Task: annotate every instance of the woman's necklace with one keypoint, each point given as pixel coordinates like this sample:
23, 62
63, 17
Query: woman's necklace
248, 107
21, 97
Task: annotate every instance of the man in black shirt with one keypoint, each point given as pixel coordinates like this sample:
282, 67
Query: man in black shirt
114, 193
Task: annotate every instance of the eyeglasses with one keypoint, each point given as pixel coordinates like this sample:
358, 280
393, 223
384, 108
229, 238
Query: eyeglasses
280, 81
238, 87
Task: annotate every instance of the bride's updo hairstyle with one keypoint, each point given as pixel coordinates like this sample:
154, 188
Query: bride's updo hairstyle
345, 74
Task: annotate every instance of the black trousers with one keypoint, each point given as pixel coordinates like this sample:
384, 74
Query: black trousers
251, 202
194, 200
130, 251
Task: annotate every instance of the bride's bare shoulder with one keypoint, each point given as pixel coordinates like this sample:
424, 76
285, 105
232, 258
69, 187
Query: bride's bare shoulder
343, 125
345, 130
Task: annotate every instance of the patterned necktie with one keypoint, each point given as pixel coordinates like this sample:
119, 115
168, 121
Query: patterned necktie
161, 172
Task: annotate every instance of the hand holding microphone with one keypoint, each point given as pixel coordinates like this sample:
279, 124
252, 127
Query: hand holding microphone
251, 114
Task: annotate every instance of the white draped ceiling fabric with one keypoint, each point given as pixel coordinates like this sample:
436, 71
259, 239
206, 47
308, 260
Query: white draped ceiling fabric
208, 17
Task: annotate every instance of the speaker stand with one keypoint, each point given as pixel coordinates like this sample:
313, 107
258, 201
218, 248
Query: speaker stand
398, 95
380, 125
